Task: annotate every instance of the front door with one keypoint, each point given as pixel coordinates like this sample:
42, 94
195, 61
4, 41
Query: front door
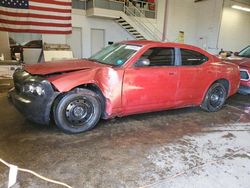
152, 87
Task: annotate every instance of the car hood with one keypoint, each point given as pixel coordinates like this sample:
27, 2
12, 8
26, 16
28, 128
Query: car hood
241, 61
61, 67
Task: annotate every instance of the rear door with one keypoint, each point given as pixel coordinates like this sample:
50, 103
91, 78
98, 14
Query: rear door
152, 87
192, 80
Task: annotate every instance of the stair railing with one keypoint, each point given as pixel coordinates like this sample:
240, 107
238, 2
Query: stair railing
136, 15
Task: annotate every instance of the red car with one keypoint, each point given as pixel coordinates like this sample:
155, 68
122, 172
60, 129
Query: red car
122, 79
242, 59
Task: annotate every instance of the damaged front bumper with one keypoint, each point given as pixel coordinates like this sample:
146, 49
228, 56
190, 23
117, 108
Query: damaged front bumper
34, 107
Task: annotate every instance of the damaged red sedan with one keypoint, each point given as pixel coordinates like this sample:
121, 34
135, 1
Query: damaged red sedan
124, 78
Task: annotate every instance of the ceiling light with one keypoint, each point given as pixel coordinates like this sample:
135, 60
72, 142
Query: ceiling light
241, 8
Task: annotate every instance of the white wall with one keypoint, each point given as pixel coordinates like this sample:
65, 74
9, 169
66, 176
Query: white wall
25, 37
208, 25
208, 15
113, 32
181, 17
4, 45
199, 21
235, 29
54, 39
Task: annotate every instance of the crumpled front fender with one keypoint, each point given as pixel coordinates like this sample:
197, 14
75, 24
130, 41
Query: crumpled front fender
107, 79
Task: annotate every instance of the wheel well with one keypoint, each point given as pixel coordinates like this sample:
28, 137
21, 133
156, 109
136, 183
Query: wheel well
96, 89
225, 83
91, 87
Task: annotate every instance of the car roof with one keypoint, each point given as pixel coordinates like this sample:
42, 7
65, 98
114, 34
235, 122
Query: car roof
150, 42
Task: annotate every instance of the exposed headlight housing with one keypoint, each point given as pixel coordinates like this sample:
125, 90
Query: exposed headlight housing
33, 88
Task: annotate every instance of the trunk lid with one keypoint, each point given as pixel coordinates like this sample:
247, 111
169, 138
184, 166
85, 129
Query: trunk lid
242, 62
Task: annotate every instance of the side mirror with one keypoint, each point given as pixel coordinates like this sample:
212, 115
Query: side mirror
236, 53
142, 63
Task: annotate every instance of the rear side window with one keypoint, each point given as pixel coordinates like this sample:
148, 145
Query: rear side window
191, 58
160, 56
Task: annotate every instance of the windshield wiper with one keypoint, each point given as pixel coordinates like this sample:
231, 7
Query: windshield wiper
244, 56
95, 60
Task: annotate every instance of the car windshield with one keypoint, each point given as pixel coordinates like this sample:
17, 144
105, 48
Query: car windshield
116, 54
245, 52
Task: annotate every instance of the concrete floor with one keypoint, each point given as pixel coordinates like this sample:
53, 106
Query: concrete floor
177, 148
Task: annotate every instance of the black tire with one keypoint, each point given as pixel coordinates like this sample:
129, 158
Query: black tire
78, 111
215, 98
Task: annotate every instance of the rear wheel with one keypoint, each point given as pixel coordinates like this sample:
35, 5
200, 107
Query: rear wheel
215, 98
78, 112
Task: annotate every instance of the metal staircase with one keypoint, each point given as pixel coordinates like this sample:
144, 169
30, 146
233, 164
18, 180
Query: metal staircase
128, 16
134, 22
130, 29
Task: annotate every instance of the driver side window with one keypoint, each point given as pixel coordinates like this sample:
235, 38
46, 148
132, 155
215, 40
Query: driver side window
159, 56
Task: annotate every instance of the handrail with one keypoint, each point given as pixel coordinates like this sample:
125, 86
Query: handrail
154, 33
148, 30
144, 4
134, 13
155, 30
142, 15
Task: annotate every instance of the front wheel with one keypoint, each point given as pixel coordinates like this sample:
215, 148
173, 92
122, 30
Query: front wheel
78, 112
215, 98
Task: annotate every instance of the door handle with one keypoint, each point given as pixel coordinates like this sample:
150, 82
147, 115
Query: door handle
171, 73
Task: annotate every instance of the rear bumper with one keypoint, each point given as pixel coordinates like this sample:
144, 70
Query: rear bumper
244, 90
